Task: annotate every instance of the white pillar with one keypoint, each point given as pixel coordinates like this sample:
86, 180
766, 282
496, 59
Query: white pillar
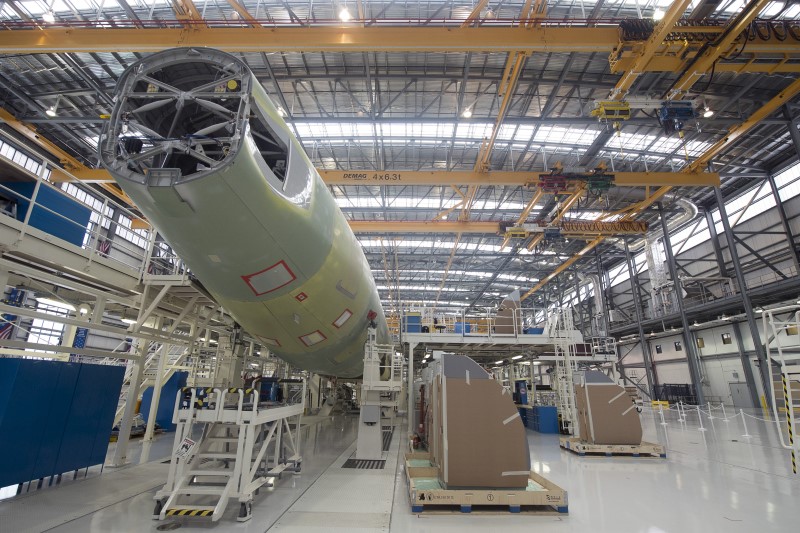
154, 401
411, 347
121, 451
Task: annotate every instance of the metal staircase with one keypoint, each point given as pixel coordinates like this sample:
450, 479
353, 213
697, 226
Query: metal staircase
565, 339
175, 357
782, 346
245, 444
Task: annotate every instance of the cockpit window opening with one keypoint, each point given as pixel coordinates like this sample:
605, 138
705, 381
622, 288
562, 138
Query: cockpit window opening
272, 148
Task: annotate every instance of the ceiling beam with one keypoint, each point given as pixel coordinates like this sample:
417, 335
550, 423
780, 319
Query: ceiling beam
543, 39
472, 177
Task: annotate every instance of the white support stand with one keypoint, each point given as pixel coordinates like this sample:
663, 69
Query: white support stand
369, 445
245, 445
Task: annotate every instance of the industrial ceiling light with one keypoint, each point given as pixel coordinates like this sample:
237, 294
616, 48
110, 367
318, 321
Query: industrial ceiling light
281, 111
467, 113
658, 14
516, 357
48, 16
52, 110
344, 14
537, 363
707, 112
500, 362
490, 14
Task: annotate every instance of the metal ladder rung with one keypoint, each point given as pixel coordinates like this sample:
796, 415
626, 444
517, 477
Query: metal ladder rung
208, 473
201, 491
216, 455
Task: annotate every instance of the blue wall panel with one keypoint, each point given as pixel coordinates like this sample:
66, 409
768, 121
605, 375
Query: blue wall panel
55, 417
57, 399
48, 202
107, 408
166, 405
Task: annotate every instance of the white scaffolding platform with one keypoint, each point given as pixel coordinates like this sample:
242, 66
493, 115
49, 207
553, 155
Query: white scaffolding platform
244, 446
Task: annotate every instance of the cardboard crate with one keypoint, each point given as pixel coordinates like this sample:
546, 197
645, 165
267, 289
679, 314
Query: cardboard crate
422, 498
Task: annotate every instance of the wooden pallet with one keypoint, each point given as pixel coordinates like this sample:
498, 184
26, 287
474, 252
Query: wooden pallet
428, 499
645, 449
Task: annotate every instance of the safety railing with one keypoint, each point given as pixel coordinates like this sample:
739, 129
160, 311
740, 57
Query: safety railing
490, 322
73, 213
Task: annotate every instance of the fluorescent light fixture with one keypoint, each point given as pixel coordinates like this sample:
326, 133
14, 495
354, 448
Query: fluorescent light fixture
658, 14
537, 363
344, 15
48, 16
467, 113
500, 362
55, 303
516, 357
51, 111
128, 320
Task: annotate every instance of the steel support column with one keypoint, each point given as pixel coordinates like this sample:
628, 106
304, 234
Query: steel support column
712, 230
647, 357
747, 303
602, 311
748, 369
785, 220
691, 349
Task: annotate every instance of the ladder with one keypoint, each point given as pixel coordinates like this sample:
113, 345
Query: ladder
565, 338
245, 444
783, 357
175, 357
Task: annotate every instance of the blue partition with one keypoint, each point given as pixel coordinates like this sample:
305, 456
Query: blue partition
55, 417
166, 405
49, 202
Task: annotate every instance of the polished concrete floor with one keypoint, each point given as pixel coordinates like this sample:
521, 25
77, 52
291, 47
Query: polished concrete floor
712, 480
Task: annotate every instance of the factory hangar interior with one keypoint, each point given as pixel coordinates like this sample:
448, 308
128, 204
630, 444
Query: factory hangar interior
289, 265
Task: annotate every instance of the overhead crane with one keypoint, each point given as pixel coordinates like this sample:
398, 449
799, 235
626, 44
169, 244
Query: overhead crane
734, 133
770, 51
571, 228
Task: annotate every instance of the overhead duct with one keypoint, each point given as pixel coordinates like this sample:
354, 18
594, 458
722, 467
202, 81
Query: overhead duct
690, 212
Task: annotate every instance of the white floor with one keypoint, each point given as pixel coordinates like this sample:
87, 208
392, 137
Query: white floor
713, 480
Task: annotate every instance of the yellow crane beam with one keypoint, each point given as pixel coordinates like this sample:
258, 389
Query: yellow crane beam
735, 132
473, 177
565, 206
759, 55
70, 164
770, 55
699, 67
524, 215
440, 226
563, 266
313, 39
585, 229
446, 178
650, 47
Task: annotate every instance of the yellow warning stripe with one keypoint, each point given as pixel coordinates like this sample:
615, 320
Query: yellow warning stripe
189, 512
789, 421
